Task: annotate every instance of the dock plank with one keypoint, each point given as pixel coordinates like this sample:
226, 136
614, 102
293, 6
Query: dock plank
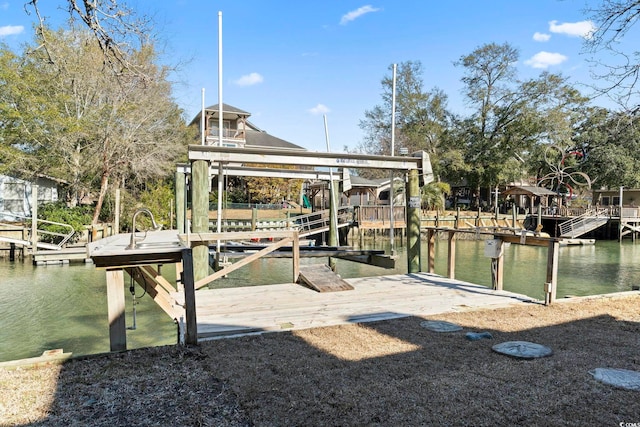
236, 311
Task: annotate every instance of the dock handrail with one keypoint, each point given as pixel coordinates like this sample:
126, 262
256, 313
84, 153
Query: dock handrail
579, 225
318, 221
65, 236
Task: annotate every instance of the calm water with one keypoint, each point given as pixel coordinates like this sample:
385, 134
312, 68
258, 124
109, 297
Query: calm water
65, 306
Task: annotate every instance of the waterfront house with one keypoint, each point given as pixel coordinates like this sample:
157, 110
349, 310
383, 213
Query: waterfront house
605, 197
237, 130
15, 195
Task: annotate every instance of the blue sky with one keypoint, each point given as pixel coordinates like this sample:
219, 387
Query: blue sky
290, 62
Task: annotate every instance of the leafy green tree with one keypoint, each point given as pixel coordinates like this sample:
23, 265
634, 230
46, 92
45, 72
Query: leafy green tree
421, 117
510, 117
91, 125
611, 141
433, 195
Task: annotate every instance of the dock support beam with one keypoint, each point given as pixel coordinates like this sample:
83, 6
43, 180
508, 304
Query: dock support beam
191, 334
413, 222
200, 216
116, 309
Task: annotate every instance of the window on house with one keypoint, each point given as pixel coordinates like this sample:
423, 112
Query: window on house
615, 200
605, 200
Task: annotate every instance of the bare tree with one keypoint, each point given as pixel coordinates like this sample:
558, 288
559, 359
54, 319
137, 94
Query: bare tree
614, 21
118, 29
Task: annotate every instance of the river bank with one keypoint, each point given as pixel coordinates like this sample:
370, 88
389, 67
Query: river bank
384, 373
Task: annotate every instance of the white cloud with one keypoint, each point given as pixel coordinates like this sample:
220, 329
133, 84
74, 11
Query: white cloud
249, 80
541, 37
574, 29
355, 14
11, 30
319, 109
545, 59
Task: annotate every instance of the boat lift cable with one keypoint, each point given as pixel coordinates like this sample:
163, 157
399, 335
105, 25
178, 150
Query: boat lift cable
132, 290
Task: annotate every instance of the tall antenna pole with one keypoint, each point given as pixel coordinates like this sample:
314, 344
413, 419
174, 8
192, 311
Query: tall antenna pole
202, 121
220, 126
393, 138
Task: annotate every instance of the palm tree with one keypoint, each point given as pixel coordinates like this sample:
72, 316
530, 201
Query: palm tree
433, 195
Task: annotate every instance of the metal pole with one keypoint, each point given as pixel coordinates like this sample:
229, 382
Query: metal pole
220, 126
333, 202
620, 226
202, 121
393, 137
34, 219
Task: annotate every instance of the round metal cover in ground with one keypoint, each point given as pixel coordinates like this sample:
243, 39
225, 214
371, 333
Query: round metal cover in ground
440, 326
623, 378
522, 349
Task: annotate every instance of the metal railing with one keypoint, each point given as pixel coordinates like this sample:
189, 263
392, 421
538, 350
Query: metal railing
64, 237
590, 220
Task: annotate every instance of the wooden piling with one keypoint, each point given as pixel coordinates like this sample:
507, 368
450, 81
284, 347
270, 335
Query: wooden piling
116, 310
551, 284
191, 333
451, 258
200, 216
413, 222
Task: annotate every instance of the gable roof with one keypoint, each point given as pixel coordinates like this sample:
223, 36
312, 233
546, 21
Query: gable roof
227, 111
530, 190
254, 136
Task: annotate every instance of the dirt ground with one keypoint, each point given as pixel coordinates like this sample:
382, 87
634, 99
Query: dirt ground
389, 373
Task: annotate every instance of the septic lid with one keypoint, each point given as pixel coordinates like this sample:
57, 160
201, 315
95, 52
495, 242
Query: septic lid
522, 349
440, 326
623, 378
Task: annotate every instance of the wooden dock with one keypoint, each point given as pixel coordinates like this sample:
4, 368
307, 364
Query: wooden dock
255, 309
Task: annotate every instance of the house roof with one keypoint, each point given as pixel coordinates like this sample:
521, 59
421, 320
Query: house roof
255, 138
228, 111
529, 190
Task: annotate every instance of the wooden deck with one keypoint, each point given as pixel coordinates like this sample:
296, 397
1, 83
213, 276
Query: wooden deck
227, 312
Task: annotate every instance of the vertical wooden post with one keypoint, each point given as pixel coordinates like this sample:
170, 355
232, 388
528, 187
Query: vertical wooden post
413, 222
296, 256
551, 284
451, 259
456, 224
254, 219
514, 216
34, 219
191, 334
116, 309
497, 268
180, 202
200, 216
116, 219
431, 249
